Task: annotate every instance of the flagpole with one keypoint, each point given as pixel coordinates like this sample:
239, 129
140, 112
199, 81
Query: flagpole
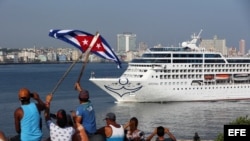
86, 57
65, 74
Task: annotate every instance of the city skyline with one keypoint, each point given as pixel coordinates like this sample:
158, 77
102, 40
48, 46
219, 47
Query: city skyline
25, 24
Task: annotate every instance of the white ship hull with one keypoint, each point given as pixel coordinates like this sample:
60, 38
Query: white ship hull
153, 91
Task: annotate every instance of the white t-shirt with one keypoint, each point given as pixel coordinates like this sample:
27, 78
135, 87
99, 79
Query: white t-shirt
57, 133
136, 134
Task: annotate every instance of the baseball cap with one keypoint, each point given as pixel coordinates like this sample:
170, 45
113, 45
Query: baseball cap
110, 116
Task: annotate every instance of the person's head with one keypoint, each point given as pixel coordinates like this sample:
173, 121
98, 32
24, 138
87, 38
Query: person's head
133, 123
70, 120
160, 131
83, 95
110, 117
196, 136
61, 117
24, 95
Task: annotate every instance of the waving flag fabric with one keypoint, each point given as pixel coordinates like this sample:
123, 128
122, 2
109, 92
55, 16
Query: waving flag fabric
82, 40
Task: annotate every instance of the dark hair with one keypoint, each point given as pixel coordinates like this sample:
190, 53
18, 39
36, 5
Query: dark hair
61, 118
160, 131
83, 95
133, 123
70, 120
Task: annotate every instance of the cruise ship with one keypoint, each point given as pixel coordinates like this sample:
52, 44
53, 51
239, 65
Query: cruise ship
186, 73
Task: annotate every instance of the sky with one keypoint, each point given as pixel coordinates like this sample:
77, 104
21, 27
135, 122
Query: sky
26, 23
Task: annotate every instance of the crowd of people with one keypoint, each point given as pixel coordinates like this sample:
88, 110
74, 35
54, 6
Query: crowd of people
78, 125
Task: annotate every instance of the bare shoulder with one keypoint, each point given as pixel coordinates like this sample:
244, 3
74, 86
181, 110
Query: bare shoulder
108, 131
18, 112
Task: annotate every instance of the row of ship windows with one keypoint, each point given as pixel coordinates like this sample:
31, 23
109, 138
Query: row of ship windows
215, 65
205, 84
185, 60
199, 76
209, 87
181, 55
132, 75
201, 65
173, 83
212, 70
178, 76
193, 70
224, 66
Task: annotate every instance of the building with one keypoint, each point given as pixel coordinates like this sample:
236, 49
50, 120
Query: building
26, 56
126, 42
42, 58
215, 45
52, 56
242, 47
232, 51
2, 56
142, 48
75, 55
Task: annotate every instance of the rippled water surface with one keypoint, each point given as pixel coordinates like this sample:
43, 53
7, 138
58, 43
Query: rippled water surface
182, 118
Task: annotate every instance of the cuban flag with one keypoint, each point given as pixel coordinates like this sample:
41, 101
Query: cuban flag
82, 40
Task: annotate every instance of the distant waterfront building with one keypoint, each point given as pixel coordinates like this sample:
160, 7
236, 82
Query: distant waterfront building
126, 42
75, 54
142, 48
2, 56
129, 56
11, 58
42, 58
95, 58
242, 47
62, 58
51, 56
215, 45
26, 56
232, 51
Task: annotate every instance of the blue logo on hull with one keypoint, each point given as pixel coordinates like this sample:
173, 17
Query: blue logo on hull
123, 86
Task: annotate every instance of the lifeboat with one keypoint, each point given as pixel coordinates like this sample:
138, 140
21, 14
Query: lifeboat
241, 77
222, 76
208, 76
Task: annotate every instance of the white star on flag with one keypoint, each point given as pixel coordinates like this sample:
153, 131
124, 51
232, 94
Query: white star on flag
98, 46
85, 42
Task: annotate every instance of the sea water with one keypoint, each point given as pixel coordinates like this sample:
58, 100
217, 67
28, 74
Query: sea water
182, 118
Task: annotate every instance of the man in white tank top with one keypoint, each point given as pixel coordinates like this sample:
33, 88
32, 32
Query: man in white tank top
112, 131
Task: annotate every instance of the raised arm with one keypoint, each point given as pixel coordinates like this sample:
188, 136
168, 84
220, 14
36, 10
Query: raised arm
47, 107
80, 134
126, 125
166, 130
151, 135
40, 104
78, 87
